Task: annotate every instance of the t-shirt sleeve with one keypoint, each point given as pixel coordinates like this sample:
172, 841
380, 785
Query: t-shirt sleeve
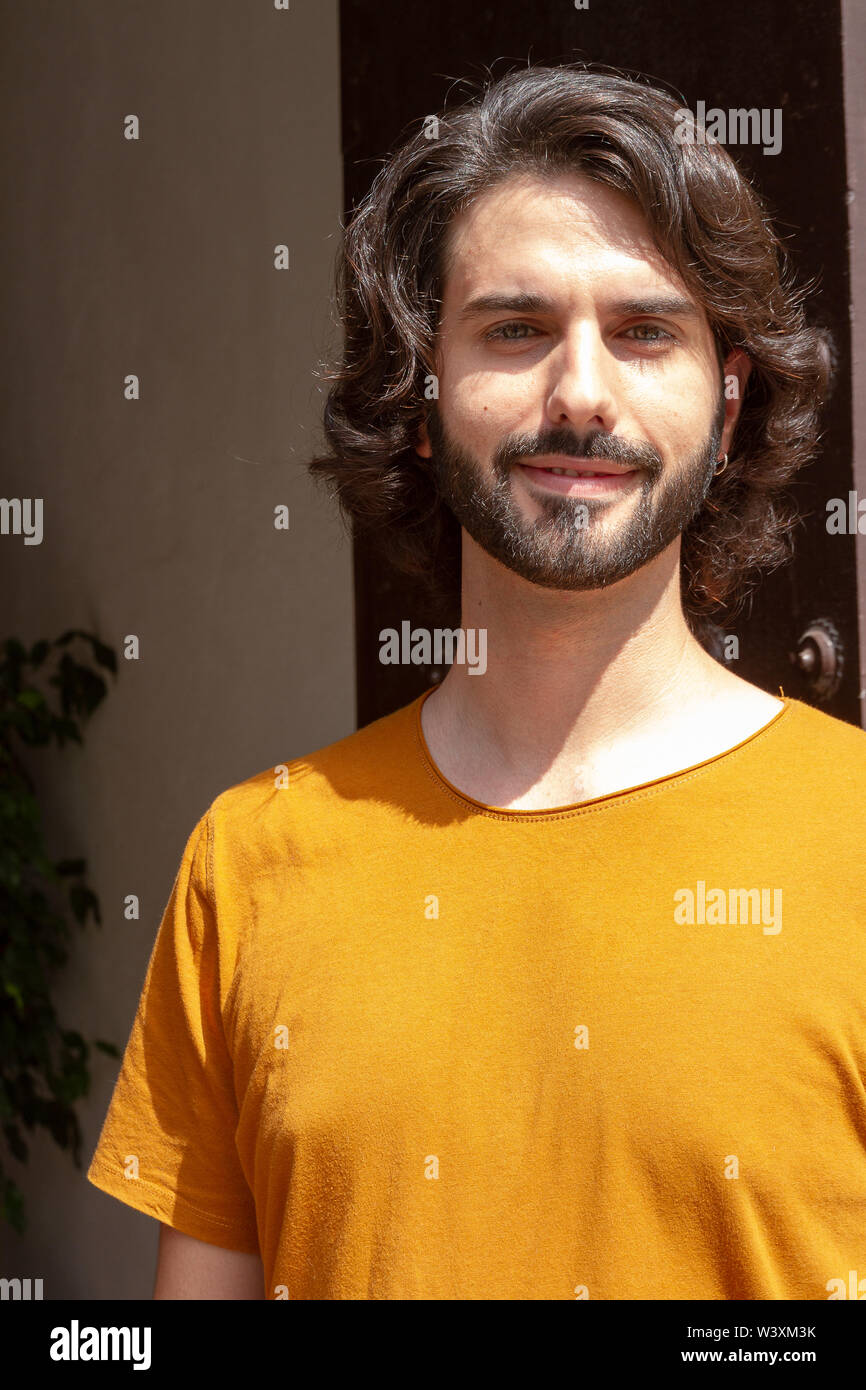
168, 1142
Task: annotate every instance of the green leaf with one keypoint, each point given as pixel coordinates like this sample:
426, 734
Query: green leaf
15, 1140
10, 988
38, 653
14, 650
31, 699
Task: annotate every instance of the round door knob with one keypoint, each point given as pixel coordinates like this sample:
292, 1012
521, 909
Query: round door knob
820, 656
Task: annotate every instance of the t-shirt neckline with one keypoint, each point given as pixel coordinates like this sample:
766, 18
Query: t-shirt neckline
594, 803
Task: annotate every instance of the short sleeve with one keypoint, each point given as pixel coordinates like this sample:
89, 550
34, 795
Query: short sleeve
168, 1142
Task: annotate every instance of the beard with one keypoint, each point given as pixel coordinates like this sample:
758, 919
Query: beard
570, 546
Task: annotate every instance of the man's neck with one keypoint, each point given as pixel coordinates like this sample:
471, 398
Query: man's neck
584, 693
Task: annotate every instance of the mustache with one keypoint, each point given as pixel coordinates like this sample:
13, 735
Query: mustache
595, 444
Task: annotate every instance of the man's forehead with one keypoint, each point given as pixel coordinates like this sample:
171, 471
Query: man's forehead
570, 220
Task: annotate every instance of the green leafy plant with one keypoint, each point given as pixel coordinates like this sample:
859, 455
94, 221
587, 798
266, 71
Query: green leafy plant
44, 1068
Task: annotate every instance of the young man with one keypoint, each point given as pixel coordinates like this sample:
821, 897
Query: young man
549, 985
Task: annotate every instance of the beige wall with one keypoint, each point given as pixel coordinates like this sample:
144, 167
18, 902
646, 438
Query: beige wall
156, 258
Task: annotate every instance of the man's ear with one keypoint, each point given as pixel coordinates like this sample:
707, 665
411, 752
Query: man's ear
422, 442
737, 369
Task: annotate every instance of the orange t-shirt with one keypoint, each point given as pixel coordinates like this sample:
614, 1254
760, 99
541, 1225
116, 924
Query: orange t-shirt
409, 1046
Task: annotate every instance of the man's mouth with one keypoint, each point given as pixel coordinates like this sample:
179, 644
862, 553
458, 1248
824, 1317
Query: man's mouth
579, 475
579, 472
580, 468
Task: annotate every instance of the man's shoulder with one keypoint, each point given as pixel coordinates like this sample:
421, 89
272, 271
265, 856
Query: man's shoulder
824, 766
828, 731
356, 767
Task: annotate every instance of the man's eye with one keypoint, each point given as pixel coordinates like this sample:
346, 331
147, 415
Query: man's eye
501, 331
659, 334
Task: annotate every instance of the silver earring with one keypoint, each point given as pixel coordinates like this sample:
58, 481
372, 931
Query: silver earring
717, 471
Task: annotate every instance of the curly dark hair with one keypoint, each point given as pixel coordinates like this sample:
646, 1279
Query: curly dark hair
707, 222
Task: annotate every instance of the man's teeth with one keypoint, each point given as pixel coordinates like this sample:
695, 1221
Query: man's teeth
575, 473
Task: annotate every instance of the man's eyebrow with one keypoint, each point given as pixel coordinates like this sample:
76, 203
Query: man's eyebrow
658, 306
653, 306
507, 303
